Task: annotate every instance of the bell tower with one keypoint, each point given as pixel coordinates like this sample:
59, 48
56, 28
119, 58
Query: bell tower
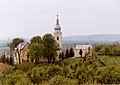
58, 34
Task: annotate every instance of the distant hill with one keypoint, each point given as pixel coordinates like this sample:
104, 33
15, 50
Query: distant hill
93, 39
79, 39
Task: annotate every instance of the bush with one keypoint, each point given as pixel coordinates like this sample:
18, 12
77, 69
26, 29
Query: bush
37, 75
24, 66
61, 80
17, 78
54, 70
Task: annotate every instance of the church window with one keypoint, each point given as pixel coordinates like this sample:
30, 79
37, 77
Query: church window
57, 38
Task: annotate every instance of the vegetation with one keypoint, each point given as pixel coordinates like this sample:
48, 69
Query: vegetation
50, 48
112, 50
68, 71
13, 44
35, 48
45, 47
7, 60
74, 71
69, 53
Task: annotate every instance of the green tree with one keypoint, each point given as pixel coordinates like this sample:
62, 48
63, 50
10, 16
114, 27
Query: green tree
12, 45
50, 47
67, 53
7, 60
71, 52
11, 61
36, 39
3, 59
35, 51
63, 57
35, 48
15, 42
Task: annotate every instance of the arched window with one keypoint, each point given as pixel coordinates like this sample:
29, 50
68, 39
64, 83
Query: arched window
57, 38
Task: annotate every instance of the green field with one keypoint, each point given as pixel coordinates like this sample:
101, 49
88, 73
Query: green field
108, 60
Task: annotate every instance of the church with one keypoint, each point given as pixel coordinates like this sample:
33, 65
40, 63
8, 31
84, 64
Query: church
23, 47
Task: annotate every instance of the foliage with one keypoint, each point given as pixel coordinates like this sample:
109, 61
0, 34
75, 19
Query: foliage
71, 52
37, 75
36, 39
14, 43
61, 56
45, 47
74, 72
50, 47
25, 66
7, 60
17, 78
61, 80
35, 51
113, 49
67, 53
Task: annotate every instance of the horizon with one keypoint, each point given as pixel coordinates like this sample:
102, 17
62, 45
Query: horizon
26, 39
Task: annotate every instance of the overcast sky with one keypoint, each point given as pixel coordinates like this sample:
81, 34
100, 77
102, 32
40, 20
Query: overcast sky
26, 18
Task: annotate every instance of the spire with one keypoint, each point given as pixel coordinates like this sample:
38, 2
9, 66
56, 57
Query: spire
57, 24
57, 21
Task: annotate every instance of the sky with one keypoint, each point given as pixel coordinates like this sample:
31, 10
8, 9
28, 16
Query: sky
28, 18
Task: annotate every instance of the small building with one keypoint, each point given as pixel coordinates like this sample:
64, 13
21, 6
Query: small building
22, 51
83, 48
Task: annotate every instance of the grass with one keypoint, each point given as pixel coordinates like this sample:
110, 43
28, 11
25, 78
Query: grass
108, 60
69, 61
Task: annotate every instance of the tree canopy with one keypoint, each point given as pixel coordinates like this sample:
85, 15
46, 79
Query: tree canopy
15, 42
50, 47
36, 39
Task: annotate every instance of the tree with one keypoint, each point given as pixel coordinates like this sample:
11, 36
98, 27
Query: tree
36, 39
81, 52
67, 53
15, 42
63, 57
12, 45
3, 59
60, 56
50, 47
35, 51
7, 60
35, 48
71, 52
11, 61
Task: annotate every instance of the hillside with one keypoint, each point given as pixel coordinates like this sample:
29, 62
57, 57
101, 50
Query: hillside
93, 39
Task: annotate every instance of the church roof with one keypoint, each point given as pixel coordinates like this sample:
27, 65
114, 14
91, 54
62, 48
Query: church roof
22, 45
83, 46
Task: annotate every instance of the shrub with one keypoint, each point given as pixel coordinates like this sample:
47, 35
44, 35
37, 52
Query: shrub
61, 80
54, 70
37, 75
24, 66
17, 78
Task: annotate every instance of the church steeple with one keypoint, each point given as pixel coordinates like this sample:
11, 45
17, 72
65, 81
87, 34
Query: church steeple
57, 24
57, 21
58, 37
